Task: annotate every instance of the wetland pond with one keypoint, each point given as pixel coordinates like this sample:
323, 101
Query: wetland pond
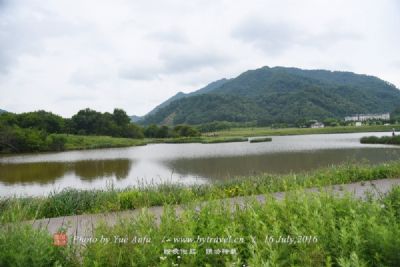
39, 174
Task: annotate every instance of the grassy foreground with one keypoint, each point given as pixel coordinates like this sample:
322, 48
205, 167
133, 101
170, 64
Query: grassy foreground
387, 140
302, 230
72, 201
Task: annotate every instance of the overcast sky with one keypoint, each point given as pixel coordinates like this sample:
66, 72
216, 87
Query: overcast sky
63, 56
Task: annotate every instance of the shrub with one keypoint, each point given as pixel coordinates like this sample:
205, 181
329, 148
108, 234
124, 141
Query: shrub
56, 142
393, 140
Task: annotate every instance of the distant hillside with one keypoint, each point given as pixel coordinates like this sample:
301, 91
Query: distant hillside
279, 95
395, 115
135, 118
2, 111
207, 89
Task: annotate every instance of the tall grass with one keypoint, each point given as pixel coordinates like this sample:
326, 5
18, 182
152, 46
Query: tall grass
21, 245
73, 201
78, 142
329, 232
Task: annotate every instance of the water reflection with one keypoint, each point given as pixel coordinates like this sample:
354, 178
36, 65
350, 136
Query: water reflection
280, 163
49, 172
38, 174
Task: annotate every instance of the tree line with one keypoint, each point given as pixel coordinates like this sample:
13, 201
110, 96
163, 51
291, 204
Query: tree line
37, 131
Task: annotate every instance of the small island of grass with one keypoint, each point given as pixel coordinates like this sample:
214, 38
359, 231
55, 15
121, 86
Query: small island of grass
224, 140
261, 139
388, 140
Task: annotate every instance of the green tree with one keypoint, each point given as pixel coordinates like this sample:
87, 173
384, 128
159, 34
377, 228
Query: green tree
331, 122
151, 131
186, 131
120, 117
163, 132
395, 115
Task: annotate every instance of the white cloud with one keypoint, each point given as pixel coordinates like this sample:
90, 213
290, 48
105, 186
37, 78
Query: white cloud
63, 56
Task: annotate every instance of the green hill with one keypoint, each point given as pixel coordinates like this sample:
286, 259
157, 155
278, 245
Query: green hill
280, 95
2, 111
207, 89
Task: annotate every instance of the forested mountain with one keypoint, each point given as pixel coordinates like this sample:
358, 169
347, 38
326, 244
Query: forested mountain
279, 95
135, 118
207, 89
2, 111
395, 115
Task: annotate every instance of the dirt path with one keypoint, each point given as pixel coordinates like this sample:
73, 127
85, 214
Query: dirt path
84, 225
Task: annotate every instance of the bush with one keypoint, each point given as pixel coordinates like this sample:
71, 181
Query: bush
153, 131
56, 142
389, 140
186, 131
15, 139
20, 245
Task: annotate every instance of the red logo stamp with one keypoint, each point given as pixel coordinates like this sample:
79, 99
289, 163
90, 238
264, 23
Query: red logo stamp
60, 239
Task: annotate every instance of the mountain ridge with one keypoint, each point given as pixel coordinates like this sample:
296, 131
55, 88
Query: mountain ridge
206, 89
281, 95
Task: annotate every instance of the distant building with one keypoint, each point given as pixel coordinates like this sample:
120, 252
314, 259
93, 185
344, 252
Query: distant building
358, 123
317, 124
365, 117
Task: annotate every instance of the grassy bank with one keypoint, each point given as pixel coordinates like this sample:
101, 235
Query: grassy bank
261, 131
198, 139
82, 142
78, 142
74, 142
319, 230
388, 140
71, 201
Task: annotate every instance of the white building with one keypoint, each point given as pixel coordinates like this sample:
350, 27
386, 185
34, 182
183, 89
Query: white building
317, 125
365, 117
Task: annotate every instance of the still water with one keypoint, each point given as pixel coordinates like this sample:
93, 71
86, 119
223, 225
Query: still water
37, 174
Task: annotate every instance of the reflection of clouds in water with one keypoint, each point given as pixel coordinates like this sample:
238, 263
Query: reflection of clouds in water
150, 173
155, 152
156, 164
